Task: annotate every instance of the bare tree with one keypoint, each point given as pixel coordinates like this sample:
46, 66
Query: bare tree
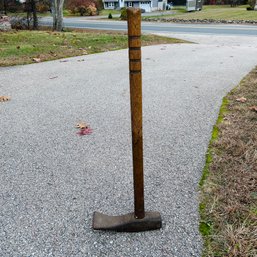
31, 9
5, 7
57, 13
34, 13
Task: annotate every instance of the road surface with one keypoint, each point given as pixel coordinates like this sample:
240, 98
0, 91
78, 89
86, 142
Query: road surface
151, 27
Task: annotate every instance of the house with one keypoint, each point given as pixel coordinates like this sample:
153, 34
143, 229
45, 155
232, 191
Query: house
147, 5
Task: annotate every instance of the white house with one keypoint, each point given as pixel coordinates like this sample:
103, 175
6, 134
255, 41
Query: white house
147, 5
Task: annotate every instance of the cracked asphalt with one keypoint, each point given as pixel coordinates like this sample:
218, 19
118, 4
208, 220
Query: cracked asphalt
52, 179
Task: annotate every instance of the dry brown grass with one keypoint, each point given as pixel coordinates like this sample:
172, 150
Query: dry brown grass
229, 194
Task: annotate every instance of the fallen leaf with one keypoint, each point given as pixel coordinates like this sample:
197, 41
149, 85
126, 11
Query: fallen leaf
54, 77
36, 60
81, 125
85, 131
4, 98
253, 108
18, 47
82, 60
64, 61
241, 99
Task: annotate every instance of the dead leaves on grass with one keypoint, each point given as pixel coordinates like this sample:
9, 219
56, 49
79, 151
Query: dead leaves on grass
232, 175
37, 60
253, 108
241, 99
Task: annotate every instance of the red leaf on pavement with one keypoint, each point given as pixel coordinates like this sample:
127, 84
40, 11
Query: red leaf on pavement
85, 131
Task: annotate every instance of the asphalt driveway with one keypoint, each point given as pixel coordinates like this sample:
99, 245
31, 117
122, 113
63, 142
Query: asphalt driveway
52, 179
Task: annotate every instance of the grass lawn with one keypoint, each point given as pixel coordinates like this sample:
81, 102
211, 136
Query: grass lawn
106, 12
20, 47
220, 12
228, 206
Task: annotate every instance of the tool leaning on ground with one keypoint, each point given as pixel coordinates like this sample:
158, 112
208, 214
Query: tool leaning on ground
139, 220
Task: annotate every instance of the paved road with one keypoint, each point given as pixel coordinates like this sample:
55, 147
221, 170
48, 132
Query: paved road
52, 179
218, 29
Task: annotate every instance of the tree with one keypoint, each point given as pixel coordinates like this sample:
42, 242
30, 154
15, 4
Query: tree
84, 7
5, 7
10, 6
31, 8
57, 13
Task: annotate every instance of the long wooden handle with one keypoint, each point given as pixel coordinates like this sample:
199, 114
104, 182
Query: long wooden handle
135, 75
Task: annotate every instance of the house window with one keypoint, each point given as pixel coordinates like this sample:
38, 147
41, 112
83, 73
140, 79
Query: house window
130, 4
111, 4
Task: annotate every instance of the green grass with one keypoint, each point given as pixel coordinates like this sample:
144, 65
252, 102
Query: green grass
20, 47
219, 12
106, 12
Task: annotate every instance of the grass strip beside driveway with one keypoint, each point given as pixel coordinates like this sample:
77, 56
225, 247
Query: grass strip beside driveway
21, 47
229, 184
222, 12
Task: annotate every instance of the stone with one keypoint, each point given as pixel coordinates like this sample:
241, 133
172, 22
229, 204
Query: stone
5, 24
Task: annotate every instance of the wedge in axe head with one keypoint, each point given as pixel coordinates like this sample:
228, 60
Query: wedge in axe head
139, 220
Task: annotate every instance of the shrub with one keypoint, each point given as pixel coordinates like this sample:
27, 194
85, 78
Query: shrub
91, 10
14, 6
83, 7
110, 16
123, 13
252, 4
43, 6
99, 5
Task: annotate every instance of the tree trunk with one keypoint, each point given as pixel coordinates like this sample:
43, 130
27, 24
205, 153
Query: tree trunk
34, 13
57, 13
5, 7
255, 7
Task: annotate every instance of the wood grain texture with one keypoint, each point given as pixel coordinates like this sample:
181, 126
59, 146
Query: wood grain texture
134, 41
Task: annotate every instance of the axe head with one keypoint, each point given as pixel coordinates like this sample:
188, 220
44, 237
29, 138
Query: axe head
127, 222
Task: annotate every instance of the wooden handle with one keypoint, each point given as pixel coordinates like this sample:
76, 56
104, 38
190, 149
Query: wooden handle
134, 42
